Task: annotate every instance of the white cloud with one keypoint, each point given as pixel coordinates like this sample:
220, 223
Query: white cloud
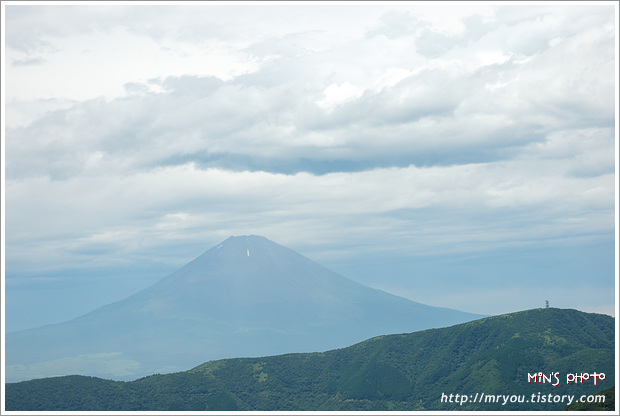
99, 64
521, 200
336, 94
340, 130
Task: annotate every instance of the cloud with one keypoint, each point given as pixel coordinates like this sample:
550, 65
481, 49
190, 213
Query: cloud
149, 133
441, 114
29, 61
528, 118
456, 208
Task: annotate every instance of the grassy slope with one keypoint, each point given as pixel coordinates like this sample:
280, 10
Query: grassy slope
395, 372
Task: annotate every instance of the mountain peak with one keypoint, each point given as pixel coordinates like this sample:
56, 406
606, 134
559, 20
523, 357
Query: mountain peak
246, 296
246, 238
244, 242
236, 247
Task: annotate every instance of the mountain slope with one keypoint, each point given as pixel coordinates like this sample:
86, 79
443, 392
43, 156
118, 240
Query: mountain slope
247, 296
397, 372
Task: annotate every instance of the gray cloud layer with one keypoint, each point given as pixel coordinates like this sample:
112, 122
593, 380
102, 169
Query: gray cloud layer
386, 131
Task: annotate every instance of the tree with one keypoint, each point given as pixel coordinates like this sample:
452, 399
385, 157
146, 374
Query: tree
546, 304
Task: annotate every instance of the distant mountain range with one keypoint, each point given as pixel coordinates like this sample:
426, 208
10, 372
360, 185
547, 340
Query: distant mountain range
245, 297
488, 361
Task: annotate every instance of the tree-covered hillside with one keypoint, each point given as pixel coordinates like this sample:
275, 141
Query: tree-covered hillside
491, 356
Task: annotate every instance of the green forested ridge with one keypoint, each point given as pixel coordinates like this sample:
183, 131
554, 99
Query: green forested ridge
396, 372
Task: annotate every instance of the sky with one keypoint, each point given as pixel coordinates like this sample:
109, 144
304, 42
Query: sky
458, 154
